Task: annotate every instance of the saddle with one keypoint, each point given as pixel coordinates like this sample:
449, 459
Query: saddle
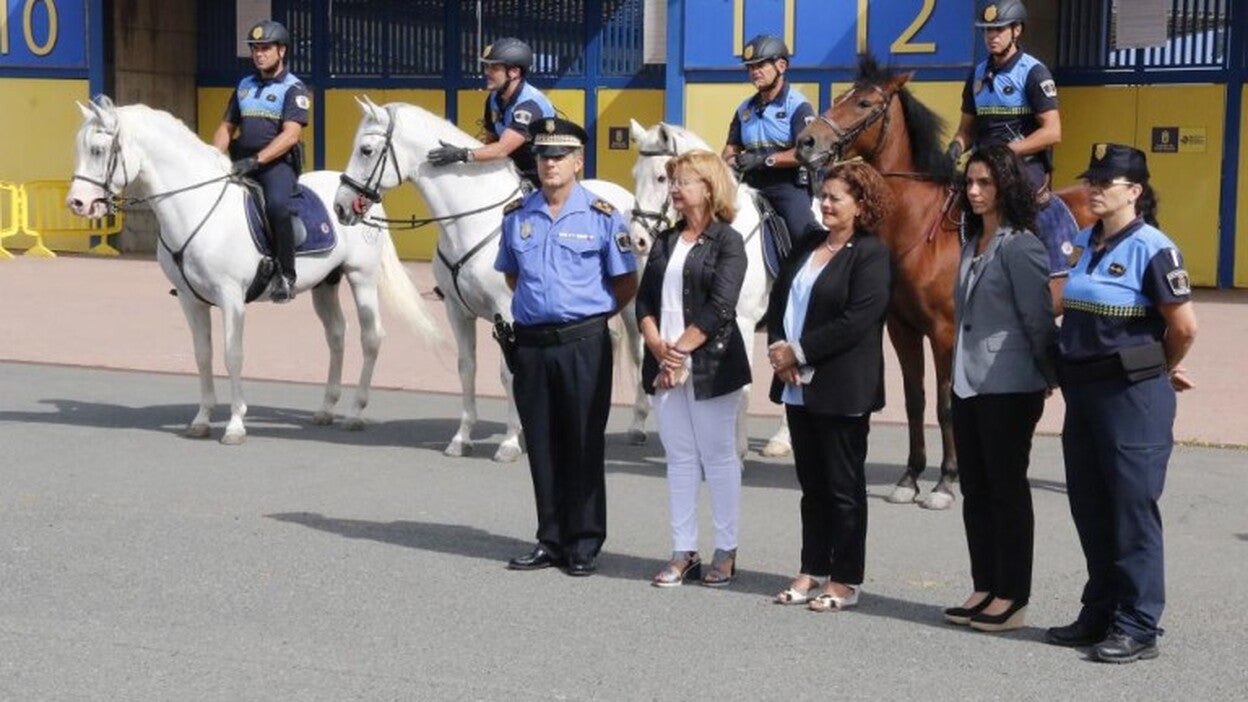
776, 240
310, 222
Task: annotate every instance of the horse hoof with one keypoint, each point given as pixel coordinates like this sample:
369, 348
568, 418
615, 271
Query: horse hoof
198, 431
353, 424
323, 418
937, 500
903, 495
507, 454
637, 437
457, 449
776, 449
235, 439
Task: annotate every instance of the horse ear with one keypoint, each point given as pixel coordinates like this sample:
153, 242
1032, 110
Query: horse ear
368, 107
897, 82
105, 110
639, 132
87, 112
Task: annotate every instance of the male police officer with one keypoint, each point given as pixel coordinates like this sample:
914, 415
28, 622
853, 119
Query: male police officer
511, 107
269, 109
567, 256
761, 136
1010, 98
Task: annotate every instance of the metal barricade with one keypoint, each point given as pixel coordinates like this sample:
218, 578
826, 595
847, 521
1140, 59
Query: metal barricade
10, 214
45, 214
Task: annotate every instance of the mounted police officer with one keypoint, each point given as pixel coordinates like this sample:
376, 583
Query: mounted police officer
1011, 98
567, 256
269, 111
763, 131
511, 107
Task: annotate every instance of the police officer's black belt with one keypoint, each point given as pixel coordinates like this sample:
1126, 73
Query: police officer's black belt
1132, 364
559, 334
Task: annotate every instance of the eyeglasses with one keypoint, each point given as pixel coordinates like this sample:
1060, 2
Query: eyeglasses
1102, 184
682, 183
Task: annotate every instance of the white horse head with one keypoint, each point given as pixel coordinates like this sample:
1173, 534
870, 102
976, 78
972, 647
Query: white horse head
655, 147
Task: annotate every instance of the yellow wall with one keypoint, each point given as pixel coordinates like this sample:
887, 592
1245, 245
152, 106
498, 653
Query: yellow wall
615, 108
39, 120
1188, 183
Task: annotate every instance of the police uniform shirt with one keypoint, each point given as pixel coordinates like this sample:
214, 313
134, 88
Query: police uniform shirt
563, 266
260, 105
1006, 99
771, 127
1112, 296
527, 105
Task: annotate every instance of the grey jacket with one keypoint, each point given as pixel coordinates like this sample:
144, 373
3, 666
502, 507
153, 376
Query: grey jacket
1006, 335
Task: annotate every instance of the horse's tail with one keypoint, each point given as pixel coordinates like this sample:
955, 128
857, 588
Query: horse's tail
399, 294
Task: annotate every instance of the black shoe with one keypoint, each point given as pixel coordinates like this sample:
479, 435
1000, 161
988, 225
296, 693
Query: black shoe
1013, 618
536, 559
283, 290
962, 615
1121, 648
1074, 635
580, 566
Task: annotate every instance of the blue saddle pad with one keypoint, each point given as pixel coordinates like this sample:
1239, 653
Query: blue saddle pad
314, 230
1057, 228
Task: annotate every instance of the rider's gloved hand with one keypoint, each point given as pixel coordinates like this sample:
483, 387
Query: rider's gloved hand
954, 151
243, 166
747, 161
446, 154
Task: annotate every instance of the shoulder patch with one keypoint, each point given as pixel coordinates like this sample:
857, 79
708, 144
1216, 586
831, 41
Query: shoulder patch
302, 102
603, 206
513, 205
1179, 282
522, 116
1049, 88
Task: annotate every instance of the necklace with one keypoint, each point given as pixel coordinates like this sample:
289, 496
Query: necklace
832, 248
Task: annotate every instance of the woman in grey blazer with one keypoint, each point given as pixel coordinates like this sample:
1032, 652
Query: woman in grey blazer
1002, 372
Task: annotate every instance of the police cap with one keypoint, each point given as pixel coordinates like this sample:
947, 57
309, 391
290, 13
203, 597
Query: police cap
268, 32
508, 51
553, 136
1001, 13
1110, 161
764, 47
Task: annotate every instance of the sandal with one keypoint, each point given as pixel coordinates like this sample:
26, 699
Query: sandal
794, 595
827, 602
684, 564
723, 569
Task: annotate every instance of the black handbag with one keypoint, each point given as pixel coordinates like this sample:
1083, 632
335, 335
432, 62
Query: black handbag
1143, 362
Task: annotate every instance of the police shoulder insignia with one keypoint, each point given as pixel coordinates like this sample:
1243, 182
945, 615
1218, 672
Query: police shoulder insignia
1180, 283
603, 206
623, 241
513, 205
1049, 88
809, 119
1075, 255
1117, 269
302, 102
522, 116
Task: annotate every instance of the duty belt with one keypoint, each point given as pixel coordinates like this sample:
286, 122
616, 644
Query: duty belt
559, 334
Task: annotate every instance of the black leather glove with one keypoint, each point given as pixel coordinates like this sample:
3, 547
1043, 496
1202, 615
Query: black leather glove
954, 151
747, 161
446, 154
243, 166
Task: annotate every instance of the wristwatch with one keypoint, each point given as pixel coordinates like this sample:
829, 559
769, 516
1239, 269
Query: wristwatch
770, 161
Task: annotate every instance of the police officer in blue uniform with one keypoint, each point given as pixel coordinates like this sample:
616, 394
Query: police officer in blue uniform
511, 107
1128, 324
1011, 98
567, 256
762, 135
269, 111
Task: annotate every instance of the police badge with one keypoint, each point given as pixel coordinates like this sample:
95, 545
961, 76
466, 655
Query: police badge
526, 230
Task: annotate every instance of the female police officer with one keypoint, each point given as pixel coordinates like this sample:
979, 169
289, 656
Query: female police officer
1128, 324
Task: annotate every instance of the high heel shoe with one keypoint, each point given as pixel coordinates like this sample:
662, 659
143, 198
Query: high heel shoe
962, 615
1013, 618
684, 565
723, 569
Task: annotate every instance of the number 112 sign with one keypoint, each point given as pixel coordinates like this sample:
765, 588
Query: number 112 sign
831, 33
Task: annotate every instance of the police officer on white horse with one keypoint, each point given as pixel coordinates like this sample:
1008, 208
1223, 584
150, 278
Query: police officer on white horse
269, 111
513, 104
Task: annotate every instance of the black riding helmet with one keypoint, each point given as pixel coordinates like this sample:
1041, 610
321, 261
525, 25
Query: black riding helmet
268, 32
1001, 13
764, 47
509, 51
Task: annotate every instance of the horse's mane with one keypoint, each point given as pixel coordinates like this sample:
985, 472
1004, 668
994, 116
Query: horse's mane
171, 129
923, 126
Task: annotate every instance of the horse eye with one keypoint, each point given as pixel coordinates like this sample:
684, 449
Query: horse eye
366, 150
864, 103
662, 179
97, 151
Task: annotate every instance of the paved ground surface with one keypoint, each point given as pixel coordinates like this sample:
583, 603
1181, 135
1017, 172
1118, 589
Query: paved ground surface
315, 563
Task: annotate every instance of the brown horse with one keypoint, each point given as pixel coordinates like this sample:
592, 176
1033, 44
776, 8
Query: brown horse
881, 122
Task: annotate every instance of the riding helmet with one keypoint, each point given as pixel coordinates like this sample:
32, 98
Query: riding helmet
1001, 13
509, 51
764, 47
268, 32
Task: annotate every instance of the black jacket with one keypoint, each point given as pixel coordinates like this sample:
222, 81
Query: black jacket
713, 275
843, 337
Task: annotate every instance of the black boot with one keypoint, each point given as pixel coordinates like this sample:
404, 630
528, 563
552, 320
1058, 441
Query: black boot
283, 288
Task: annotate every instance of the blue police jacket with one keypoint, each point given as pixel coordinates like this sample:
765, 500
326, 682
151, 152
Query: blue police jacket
1005, 100
563, 265
772, 127
260, 105
1111, 297
527, 106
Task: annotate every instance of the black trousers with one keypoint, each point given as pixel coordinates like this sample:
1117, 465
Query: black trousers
563, 394
279, 181
792, 203
830, 454
992, 434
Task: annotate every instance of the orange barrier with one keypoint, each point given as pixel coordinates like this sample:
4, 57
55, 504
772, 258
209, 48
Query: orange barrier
44, 214
10, 214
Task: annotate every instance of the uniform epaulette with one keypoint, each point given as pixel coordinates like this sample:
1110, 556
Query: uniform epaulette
513, 205
603, 206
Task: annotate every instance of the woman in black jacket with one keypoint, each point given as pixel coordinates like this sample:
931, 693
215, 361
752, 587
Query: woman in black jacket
695, 363
825, 323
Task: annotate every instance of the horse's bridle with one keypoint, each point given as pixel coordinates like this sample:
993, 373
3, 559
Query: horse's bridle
847, 135
654, 222
114, 158
371, 187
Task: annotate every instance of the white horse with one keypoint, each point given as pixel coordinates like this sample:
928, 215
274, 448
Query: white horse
652, 214
206, 252
391, 146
